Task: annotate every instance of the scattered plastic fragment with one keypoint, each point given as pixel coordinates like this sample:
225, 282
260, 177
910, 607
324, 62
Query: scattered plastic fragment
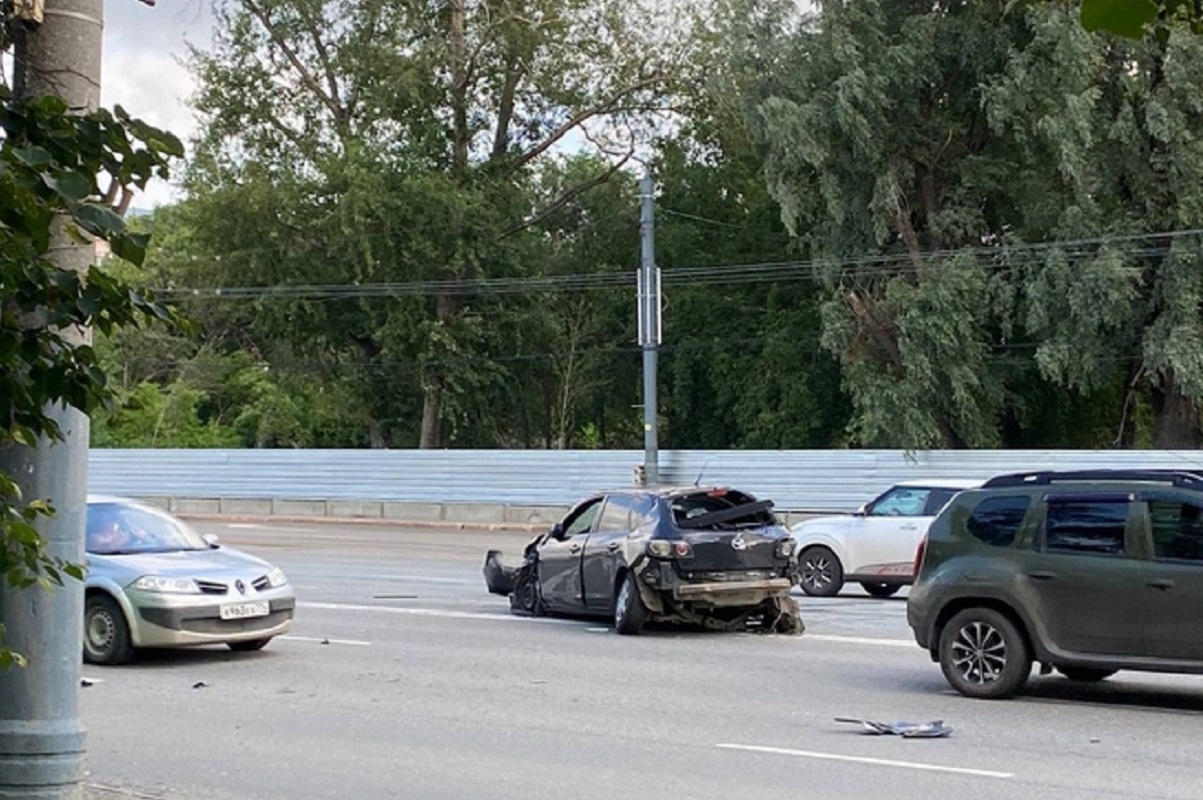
199, 685
907, 730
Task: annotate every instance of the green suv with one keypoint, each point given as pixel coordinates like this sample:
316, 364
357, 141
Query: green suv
1086, 573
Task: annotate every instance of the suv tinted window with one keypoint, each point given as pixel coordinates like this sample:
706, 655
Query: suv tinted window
1177, 530
1086, 526
996, 520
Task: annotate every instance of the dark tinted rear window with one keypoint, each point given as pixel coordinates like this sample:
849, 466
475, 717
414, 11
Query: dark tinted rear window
1084, 526
996, 520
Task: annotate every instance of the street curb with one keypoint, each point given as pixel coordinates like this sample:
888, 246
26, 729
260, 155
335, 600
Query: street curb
478, 527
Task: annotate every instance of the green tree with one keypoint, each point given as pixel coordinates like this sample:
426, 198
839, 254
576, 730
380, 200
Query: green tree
398, 145
927, 152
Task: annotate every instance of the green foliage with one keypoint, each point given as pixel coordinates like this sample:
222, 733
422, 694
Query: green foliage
51, 165
918, 148
1134, 18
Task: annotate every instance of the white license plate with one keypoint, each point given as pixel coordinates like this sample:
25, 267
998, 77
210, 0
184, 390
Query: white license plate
245, 610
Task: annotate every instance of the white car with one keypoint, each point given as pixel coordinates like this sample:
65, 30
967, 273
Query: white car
875, 545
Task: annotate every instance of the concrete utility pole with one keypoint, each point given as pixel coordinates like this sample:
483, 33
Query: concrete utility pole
649, 326
57, 52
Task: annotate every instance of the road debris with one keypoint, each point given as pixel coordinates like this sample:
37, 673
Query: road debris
907, 730
200, 685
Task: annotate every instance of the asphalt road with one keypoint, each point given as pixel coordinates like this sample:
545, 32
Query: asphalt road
403, 678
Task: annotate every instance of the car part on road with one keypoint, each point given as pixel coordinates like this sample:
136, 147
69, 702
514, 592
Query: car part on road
907, 730
983, 655
820, 572
106, 633
881, 589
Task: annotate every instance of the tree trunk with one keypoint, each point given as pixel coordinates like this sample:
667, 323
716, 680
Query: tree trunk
447, 305
1175, 416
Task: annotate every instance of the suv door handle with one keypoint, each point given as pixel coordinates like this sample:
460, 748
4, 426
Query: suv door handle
613, 546
574, 549
1042, 576
1161, 583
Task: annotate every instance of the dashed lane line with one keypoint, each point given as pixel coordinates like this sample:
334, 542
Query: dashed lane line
879, 762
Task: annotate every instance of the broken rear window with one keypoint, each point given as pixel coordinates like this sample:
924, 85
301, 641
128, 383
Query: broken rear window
721, 509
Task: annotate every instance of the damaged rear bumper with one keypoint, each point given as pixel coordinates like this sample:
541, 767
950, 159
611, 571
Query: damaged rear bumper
721, 594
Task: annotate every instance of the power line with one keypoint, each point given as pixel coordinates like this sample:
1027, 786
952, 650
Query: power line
1002, 257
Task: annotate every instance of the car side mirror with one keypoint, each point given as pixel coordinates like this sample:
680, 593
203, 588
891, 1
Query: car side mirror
557, 531
862, 511
211, 540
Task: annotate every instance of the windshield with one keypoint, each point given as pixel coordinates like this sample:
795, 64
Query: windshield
117, 528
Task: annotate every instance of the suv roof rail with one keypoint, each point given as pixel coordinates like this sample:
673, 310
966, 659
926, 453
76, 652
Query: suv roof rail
1177, 477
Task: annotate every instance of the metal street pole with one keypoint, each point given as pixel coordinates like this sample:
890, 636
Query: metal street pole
649, 326
41, 736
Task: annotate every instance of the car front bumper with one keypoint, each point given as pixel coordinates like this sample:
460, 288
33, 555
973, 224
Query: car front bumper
160, 621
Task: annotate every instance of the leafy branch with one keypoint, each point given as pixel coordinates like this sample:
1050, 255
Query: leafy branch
53, 165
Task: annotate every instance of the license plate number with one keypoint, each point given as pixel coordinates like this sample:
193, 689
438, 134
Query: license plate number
245, 610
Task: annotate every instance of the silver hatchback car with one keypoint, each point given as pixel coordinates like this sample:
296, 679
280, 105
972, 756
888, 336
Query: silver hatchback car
155, 582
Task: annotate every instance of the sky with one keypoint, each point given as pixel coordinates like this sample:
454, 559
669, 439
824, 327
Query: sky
141, 71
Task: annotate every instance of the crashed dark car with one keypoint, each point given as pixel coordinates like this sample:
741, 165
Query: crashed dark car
708, 556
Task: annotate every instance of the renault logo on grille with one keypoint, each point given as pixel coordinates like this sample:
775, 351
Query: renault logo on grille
240, 586
738, 542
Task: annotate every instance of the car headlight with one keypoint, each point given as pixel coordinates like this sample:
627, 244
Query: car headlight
276, 578
785, 548
165, 585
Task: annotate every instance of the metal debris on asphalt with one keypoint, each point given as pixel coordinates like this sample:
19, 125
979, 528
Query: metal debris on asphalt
907, 730
199, 685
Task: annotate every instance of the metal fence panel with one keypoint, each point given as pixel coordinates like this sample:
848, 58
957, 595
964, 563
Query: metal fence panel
794, 479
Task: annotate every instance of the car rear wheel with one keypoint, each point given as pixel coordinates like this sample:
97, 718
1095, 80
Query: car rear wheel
629, 612
881, 589
820, 572
106, 633
248, 646
984, 655
1086, 674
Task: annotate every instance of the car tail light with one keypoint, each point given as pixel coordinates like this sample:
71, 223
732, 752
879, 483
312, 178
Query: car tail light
920, 551
664, 548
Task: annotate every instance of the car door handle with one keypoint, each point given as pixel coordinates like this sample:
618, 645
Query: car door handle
1042, 576
613, 546
574, 549
1161, 583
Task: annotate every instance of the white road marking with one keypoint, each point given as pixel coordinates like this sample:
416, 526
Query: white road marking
821, 637
880, 762
436, 612
355, 642
484, 615
599, 630
417, 578
244, 525
91, 680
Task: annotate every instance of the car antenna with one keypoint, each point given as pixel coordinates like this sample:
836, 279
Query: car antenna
698, 480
